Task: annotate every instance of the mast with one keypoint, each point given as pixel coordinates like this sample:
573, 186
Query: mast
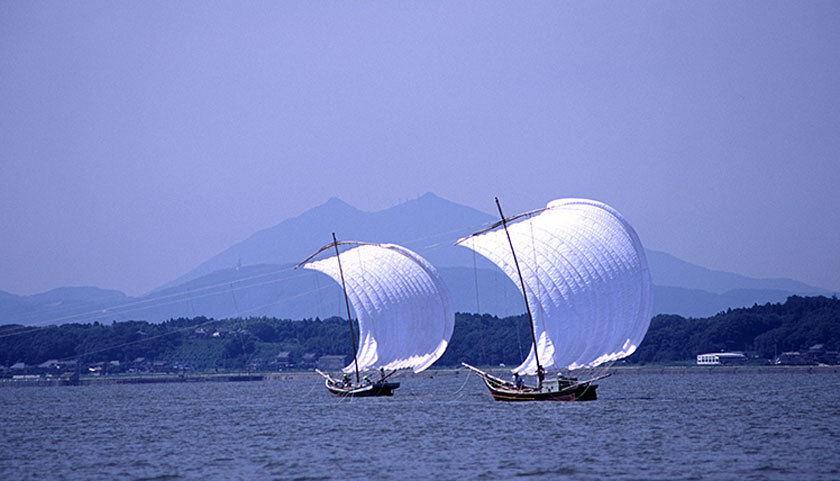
347, 303
524, 294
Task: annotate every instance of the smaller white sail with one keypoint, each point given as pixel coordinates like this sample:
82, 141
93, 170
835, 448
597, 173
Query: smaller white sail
404, 310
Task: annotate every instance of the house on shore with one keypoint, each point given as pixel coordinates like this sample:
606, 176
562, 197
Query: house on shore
721, 359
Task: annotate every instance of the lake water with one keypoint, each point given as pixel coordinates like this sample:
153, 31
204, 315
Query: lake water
670, 427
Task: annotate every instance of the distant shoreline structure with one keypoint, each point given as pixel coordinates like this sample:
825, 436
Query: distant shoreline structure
429, 374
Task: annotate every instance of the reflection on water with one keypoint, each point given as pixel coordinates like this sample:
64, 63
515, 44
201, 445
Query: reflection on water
744, 426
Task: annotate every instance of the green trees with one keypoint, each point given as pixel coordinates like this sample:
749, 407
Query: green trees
477, 339
796, 324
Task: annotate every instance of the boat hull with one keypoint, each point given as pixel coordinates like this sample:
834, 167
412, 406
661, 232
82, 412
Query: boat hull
371, 390
584, 391
565, 389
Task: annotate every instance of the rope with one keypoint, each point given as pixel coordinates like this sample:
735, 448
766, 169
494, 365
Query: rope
317, 287
536, 265
182, 296
194, 326
238, 334
478, 306
310, 390
475, 276
467, 378
156, 301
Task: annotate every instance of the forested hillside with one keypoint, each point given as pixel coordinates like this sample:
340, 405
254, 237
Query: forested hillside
203, 344
764, 330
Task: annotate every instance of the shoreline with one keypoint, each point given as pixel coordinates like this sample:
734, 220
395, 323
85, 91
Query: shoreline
429, 374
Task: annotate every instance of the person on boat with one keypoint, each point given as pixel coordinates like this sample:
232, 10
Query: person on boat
366, 380
381, 374
346, 379
540, 375
565, 381
517, 381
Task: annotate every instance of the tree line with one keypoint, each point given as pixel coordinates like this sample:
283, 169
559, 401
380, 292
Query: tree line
765, 330
477, 339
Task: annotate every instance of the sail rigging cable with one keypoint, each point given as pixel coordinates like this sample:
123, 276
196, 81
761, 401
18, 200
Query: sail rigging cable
61, 314
478, 310
524, 291
347, 303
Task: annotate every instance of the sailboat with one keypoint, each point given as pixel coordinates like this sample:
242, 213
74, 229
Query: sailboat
404, 312
587, 290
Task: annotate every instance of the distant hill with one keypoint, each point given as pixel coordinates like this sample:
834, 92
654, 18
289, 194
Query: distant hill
700, 303
668, 270
254, 276
65, 304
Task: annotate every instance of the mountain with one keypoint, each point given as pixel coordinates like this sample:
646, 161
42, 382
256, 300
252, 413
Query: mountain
57, 306
668, 270
254, 277
428, 224
700, 303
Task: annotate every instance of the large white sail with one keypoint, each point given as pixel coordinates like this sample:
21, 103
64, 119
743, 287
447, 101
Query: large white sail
404, 309
586, 278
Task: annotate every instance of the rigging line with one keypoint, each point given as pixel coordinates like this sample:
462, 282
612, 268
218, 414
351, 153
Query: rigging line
478, 306
524, 293
116, 312
414, 240
106, 314
278, 301
501, 223
239, 334
536, 266
475, 277
347, 303
88, 353
447, 233
154, 300
142, 304
536, 269
186, 328
235, 304
115, 309
466, 378
318, 290
310, 390
192, 308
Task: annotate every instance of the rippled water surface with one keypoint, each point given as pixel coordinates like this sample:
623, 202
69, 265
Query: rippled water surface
690, 426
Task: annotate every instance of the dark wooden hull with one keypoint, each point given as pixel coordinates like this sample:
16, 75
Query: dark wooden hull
563, 389
583, 391
369, 390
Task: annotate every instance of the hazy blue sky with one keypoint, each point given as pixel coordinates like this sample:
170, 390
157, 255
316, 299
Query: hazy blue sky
137, 139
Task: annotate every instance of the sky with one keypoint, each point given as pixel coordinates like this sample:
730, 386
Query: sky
138, 139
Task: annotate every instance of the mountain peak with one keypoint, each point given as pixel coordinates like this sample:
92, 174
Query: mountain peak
428, 196
425, 201
335, 201
333, 205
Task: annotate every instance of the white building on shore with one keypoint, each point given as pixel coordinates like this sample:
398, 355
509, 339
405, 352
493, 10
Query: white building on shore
721, 358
